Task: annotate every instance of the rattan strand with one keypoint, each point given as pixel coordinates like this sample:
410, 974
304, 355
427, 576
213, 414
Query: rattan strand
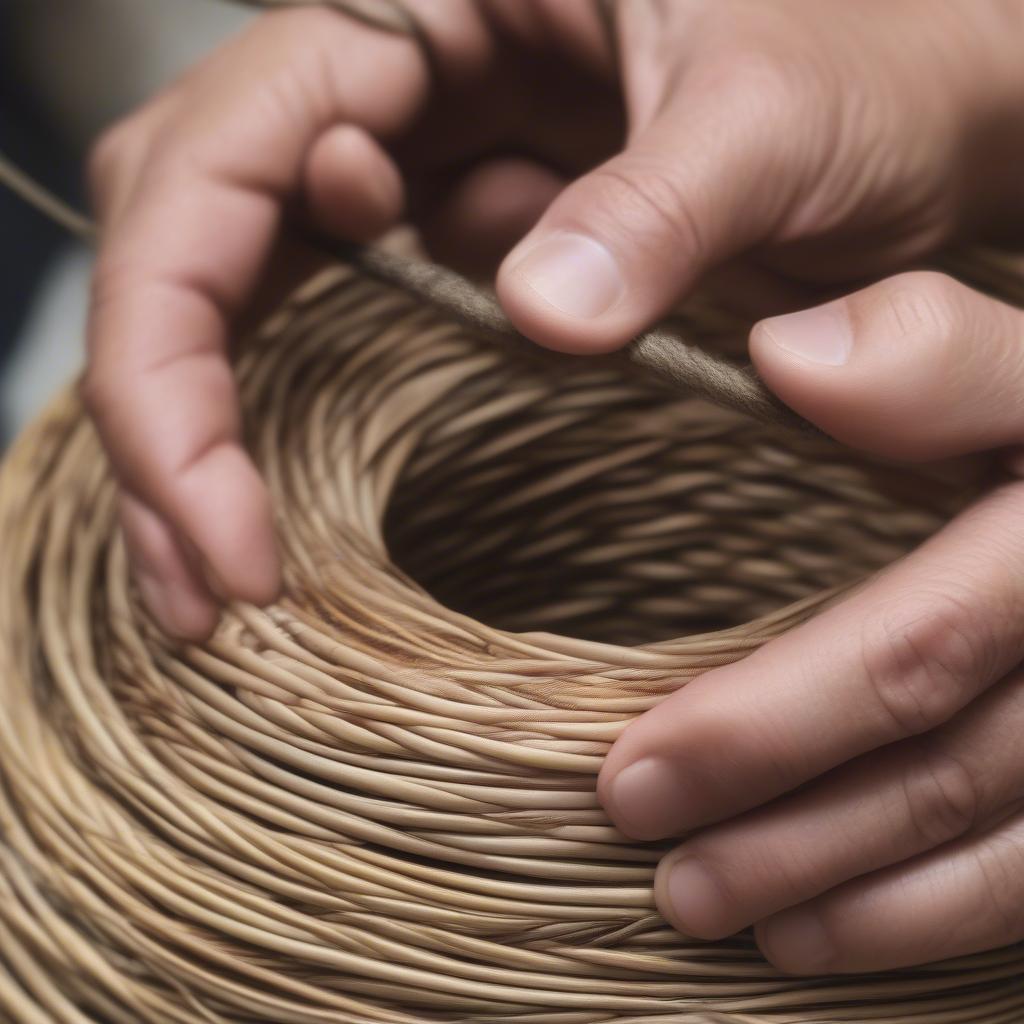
374, 800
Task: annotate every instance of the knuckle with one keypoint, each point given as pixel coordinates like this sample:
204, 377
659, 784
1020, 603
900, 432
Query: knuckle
108, 152
112, 278
942, 796
751, 76
922, 304
315, 38
300, 24
104, 151
94, 387
1000, 865
95, 393
649, 194
781, 873
923, 661
758, 74
120, 154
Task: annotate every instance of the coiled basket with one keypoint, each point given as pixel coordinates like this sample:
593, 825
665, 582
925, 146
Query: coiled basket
374, 801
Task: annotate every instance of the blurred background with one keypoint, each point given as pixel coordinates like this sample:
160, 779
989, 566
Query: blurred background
67, 69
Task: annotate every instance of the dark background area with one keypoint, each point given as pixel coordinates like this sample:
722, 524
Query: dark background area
67, 69
30, 138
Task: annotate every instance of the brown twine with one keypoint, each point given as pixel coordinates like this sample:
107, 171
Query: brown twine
663, 353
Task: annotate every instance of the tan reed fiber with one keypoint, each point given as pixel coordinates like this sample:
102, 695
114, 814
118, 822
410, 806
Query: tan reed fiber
374, 800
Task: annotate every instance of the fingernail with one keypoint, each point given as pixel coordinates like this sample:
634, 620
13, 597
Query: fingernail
573, 273
819, 335
648, 799
695, 898
796, 942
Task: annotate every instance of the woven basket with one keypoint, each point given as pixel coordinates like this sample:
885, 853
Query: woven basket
374, 801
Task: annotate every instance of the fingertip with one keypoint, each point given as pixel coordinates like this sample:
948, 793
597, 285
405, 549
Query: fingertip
915, 367
165, 576
224, 509
689, 897
812, 339
261, 583
818, 361
648, 798
181, 612
566, 291
803, 357
353, 187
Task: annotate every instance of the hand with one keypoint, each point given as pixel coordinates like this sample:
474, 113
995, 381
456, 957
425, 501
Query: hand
824, 140
857, 785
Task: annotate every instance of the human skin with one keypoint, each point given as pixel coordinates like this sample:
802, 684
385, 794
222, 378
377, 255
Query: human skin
779, 149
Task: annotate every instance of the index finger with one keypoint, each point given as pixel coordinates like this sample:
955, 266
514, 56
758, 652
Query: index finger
184, 251
897, 658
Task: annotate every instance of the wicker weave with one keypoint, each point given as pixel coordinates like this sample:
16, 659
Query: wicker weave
374, 801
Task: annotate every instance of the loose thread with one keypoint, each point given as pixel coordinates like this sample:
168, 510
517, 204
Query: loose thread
45, 201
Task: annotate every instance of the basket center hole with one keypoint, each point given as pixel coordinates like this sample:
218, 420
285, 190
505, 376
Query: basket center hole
627, 526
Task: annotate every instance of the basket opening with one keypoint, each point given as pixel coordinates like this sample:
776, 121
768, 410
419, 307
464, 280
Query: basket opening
632, 519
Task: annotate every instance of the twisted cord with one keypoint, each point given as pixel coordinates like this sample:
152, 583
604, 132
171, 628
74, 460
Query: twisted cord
662, 353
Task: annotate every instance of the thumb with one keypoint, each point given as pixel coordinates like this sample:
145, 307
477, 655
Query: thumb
619, 246
917, 366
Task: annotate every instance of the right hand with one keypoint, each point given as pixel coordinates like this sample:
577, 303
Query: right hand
813, 141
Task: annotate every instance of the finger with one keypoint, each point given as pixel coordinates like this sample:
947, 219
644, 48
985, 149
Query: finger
896, 659
116, 160
171, 587
486, 212
918, 366
181, 258
879, 810
172, 429
619, 246
962, 898
353, 188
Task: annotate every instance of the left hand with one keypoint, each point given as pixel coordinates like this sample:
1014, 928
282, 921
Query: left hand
858, 784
